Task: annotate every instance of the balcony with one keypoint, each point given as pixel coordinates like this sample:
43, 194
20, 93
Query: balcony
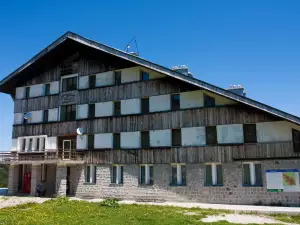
46, 156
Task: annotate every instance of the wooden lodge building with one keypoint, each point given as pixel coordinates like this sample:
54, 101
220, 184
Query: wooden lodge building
94, 121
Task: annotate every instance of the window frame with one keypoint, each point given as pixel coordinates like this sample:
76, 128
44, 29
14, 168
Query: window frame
91, 141
117, 77
180, 174
253, 175
68, 109
72, 76
296, 142
145, 105
119, 178
91, 111
215, 140
206, 101
116, 140
143, 143
47, 89
27, 92
142, 73
148, 179
248, 139
175, 103
46, 116
90, 170
92, 81
176, 142
214, 175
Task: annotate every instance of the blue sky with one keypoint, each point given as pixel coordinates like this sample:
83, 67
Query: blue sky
253, 43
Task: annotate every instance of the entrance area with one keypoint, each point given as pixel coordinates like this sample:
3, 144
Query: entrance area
66, 147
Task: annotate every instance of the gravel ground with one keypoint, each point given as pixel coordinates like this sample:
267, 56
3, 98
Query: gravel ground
242, 219
12, 201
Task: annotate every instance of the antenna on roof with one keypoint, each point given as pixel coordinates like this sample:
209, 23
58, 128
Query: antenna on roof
136, 52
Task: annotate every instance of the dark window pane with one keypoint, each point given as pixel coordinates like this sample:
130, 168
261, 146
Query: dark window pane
174, 174
117, 140
92, 81
24, 144
145, 139
68, 113
114, 175
175, 102
296, 140
250, 133
209, 101
37, 144
121, 175
69, 84
117, 108
118, 77
145, 105
45, 116
27, 92
95, 174
92, 111
246, 174
219, 175
91, 141
88, 174
144, 75
258, 174
176, 137
208, 175
30, 145
47, 89
143, 174
211, 135
183, 174
151, 174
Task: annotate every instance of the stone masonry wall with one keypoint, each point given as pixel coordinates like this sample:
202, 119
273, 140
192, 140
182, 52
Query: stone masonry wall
13, 179
232, 192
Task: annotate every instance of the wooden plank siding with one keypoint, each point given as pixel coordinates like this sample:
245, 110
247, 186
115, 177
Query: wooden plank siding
102, 94
152, 121
222, 154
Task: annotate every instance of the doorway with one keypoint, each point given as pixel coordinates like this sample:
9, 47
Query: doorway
66, 145
66, 149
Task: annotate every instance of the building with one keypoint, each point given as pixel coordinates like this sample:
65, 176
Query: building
94, 121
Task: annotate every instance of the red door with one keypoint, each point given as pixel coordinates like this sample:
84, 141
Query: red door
27, 182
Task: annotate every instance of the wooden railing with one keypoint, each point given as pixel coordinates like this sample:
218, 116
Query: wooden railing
47, 155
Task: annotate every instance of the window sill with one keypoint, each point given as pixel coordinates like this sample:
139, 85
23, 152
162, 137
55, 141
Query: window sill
116, 185
250, 185
213, 185
177, 185
87, 183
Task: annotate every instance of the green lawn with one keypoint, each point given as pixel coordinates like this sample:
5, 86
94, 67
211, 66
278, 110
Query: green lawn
63, 211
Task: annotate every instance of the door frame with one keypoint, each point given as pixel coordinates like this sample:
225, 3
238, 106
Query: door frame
69, 150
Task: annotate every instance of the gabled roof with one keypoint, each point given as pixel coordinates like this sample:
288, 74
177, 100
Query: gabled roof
155, 67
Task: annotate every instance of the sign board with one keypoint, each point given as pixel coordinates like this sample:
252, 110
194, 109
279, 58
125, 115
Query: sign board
283, 180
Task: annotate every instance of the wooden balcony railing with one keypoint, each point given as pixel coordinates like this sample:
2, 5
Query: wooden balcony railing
47, 155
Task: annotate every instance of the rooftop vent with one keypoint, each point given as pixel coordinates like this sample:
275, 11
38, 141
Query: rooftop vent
183, 69
237, 89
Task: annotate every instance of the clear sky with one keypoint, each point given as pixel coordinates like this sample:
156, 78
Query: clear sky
250, 42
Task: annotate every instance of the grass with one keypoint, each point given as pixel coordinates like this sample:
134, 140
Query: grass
63, 211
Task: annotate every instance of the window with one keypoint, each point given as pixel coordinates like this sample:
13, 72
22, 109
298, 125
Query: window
69, 84
30, 145
145, 105
117, 77
145, 139
45, 116
117, 174
25, 119
296, 140
175, 102
211, 135
213, 174
92, 81
90, 174
27, 92
178, 176
91, 111
117, 108
91, 139
47, 89
23, 144
37, 144
250, 133
146, 174
44, 173
252, 174
176, 137
144, 75
68, 113
209, 101
117, 142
